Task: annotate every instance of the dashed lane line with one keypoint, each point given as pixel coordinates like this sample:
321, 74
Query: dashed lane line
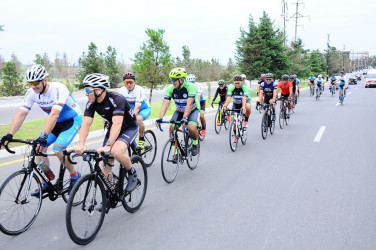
319, 134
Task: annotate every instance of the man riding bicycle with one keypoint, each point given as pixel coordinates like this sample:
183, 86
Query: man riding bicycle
286, 91
333, 81
123, 128
222, 92
201, 97
63, 121
261, 80
136, 97
187, 105
311, 82
295, 86
239, 93
319, 83
268, 91
342, 84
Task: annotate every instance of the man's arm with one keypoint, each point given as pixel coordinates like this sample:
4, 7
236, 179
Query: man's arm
85, 126
17, 121
164, 107
117, 122
51, 121
137, 107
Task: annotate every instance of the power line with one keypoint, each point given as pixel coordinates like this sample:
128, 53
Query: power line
296, 16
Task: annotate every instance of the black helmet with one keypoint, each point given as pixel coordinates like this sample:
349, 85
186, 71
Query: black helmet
238, 78
269, 75
129, 75
285, 77
292, 77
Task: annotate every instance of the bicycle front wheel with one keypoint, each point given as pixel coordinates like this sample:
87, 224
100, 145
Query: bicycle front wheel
264, 126
272, 124
192, 161
18, 209
218, 122
150, 150
170, 161
232, 136
244, 134
84, 221
133, 201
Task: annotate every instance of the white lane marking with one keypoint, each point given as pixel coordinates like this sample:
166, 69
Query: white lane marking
319, 134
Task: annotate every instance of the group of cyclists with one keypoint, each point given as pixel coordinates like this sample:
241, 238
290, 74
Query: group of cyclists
317, 84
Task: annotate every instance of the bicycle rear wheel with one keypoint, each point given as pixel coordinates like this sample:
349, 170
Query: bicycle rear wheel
84, 221
232, 136
192, 161
170, 161
133, 201
217, 121
150, 151
264, 126
18, 209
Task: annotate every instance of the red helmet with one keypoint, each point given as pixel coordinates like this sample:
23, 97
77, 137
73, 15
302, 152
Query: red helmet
129, 75
238, 78
263, 76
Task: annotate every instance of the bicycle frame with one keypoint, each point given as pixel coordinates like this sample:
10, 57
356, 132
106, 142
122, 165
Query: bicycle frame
175, 138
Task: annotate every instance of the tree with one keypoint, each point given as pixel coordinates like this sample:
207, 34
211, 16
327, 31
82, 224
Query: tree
14, 58
112, 67
186, 58
229, 71
44, 61
12, 81
372, 61
91, 63
2, 64
153, 63
299, 61
316, 63
1, 27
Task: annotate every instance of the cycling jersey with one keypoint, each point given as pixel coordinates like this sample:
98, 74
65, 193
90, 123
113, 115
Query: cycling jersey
294, 83
238, 93
268, 88
135, 96
260, 81
319, 81
297, 80
181, 95
222, 93
285, 89
312, 79
57, 97
333, 79
114, 104
200, 92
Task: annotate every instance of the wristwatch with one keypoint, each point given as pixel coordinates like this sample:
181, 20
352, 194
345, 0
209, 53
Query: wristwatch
108, 143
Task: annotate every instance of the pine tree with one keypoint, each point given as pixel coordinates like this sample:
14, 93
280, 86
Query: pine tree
12, 81
112, 67
91, 63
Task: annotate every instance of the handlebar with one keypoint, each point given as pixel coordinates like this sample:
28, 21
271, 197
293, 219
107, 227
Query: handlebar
171, 122
28, 142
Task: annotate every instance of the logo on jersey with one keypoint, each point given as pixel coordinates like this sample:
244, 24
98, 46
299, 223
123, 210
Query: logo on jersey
112, 101
175, 96
88, 105
185, 95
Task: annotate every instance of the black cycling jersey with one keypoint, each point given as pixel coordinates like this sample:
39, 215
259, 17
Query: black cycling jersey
293, 85
260, 81
222, 94
114, 104
268, 88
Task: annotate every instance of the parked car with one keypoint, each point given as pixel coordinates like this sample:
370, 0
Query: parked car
370, 79
351, 79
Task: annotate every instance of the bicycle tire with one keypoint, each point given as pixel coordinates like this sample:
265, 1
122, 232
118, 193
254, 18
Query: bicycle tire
8, 193
167, 166
199, 129
133, 201
280, 118
150, 150
226, 122
88, 186
217, 128
272, 125
244, 134
264, 126
232, 137
192, 161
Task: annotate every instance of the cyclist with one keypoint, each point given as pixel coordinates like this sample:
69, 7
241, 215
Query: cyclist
268, 91
201, 97
239, 92
342, 84
261, 80
312, 82
63, 121
123, 128
333, 81
246, 82
136, 97
295, 86
298, 84
286, 91
319, 83
187, 105
222, 91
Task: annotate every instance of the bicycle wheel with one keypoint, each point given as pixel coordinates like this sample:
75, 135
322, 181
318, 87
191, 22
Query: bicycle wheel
217, 121
82, 167
18, 209
170, 162
281, 118
84, 221
133, 201
225, 121
244, 134
150, 151
192, 161
272, 125
264, 126
232, 136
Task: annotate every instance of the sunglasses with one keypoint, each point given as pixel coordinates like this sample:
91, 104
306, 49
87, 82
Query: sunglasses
268, 79
128, 82
173, 80
88, 91
35, 83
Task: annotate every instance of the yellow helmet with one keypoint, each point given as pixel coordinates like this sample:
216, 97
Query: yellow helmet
177, 73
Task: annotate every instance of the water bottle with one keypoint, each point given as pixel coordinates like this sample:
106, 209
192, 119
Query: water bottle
46, 170
134, 143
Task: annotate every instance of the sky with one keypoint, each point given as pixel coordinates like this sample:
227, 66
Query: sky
209, 28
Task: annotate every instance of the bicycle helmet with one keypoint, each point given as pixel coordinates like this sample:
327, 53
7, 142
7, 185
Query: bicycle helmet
237, 78
35, 73
285, 77
177, 73
269, 75
221, 82
263, 76
333, 74
342, 72
96, 81
311, 75
129, 75
292, 77
243, 76
191, 78
295, 76
319, 76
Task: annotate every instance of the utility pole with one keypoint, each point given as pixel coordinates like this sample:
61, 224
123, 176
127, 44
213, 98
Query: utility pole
284, 15
296, 16
327, 56
343, 58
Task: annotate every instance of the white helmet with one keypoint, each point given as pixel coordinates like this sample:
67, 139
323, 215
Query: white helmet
243, 76
35, 73
96, 80
191, 78
319, 75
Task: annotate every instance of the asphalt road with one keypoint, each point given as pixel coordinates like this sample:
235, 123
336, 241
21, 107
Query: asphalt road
285, 192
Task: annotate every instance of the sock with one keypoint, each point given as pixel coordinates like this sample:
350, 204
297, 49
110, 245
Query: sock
132, 171
142, 138
74, 175
194, 142
203, 127
246, 119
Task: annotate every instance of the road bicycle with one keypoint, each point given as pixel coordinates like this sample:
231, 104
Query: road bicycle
268, 121
18, 209
221, 118
332, 90
311, 89
259, 107
149, 151
199, 129
237, 130
97, 194
318, 93
176, 151
342, 96
284, 113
